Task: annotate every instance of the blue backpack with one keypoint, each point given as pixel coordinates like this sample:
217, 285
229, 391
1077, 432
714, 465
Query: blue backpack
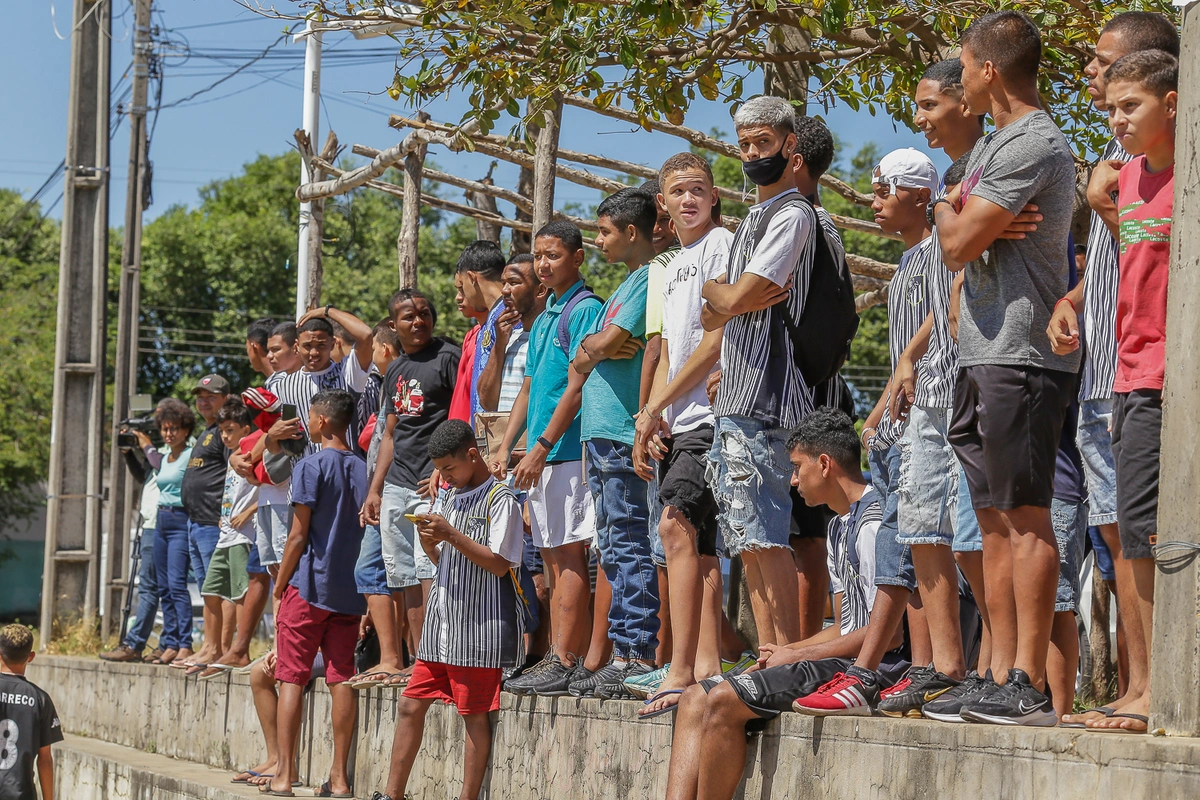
563, 335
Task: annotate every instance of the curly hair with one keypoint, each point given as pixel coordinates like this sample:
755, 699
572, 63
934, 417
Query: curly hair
171, 410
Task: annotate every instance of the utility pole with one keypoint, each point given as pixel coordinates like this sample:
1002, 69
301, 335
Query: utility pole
120, 488
70, 578
311, 121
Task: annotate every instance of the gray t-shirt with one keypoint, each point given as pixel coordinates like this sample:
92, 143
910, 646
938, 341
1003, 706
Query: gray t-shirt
1010, 292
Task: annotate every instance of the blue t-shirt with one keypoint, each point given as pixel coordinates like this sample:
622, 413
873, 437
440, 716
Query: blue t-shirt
546, 366
484, 343
610, 396
333, 483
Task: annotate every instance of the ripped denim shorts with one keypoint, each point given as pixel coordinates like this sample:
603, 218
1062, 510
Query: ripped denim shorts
750, 475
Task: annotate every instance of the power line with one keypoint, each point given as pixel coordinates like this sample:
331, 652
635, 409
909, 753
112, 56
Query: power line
217, 83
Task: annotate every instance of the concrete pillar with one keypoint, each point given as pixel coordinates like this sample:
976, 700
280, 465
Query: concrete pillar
1175, 661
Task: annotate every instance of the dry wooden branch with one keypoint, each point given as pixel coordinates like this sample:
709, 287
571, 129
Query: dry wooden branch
874, 298
869, 267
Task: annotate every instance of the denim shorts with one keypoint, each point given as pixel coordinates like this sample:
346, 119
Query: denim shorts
1095, 447
967, 536
751, 477
271, 524
403, 557
893, 558
929, 474
1070, 528
370, 576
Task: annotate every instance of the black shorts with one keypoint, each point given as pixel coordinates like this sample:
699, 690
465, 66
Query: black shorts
770, 692
1005, 430
809, 522
1136, 445
683, 484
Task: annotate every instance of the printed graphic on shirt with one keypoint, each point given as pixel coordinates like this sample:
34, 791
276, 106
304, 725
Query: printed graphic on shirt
197, 461
1140, 231
408, 400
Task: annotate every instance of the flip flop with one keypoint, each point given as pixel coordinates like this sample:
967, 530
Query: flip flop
399, 684
362, 682
251, 773
269, 792
325, 791
246, 669
1144, 720
660, 711
210, 672
195, 669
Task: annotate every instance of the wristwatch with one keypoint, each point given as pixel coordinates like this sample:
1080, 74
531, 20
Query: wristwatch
929, 215
545, 443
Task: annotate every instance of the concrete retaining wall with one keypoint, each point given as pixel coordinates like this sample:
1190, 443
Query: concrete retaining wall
563, 747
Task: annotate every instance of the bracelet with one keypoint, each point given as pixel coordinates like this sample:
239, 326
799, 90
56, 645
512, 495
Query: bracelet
327, 310
1066, 300
863, 436
545, 443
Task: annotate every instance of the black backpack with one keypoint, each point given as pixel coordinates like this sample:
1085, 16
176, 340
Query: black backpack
821, 338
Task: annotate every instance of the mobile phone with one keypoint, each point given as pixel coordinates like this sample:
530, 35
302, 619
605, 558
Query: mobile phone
290, 411
413, 518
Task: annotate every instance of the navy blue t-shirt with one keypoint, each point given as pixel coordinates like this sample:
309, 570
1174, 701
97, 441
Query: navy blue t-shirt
333, 483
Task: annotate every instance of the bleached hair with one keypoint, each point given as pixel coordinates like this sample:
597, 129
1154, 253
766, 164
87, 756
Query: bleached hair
766, 110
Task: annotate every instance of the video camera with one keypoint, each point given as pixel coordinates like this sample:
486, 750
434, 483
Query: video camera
144, 423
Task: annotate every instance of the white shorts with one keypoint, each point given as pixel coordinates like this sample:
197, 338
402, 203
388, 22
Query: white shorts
561, 510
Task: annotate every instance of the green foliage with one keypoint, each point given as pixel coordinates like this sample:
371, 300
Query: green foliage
28, 296
659, 56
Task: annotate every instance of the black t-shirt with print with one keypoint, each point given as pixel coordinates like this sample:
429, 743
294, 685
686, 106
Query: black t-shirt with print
28, 722
419, 388
204, 478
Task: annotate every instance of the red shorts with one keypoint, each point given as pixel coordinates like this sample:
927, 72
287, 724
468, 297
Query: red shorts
301, 629
474, 690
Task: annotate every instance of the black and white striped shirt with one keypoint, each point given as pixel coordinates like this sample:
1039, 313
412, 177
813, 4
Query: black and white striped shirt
474, 618
908, 306
760, 379
300, 387
851, 559
1100, 279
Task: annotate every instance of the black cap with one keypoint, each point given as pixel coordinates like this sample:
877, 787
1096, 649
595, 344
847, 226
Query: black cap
212, 383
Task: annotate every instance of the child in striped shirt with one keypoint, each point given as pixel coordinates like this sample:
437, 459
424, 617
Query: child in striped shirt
473, 621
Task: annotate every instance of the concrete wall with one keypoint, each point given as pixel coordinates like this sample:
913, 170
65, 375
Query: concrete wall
563, 747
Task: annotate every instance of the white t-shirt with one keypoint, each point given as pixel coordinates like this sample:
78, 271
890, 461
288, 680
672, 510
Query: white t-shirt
238, 496
683, 282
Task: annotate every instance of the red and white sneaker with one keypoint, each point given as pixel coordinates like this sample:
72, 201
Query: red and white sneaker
853, 692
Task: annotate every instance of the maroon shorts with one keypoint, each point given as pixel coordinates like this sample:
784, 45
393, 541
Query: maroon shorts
473, 690
301, 629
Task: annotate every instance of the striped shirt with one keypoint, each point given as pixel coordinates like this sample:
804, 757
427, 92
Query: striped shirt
851, 559
474, 618
513, 377
939, 366
908, 306
299, 388
760, 378
1099, 328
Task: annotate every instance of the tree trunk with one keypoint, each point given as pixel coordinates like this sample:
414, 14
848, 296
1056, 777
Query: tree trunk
788, 80
544, 159
316, 229
488, 231
410, 217
1099, 645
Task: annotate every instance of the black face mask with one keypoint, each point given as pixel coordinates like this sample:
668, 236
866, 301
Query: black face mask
767, 170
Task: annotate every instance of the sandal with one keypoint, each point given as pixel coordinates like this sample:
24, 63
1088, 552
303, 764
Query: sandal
251, 773
1139, 717
325, 791
667, 709
194, 669
401, 681
366, 680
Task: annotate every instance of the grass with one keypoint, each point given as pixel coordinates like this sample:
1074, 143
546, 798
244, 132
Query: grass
78, 637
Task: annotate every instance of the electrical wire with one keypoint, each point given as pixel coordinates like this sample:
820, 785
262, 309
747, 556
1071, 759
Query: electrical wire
235, 72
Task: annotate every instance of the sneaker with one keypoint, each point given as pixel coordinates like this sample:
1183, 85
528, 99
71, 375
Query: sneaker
550, 681
614, 687
920, 685
644, 686
744, 663
584, 682
852, 692
948, 707
121, 654
521, 683
1017, 703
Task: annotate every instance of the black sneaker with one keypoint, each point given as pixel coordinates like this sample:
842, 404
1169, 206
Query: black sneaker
1017, 703
585, 682
947, 708
614, 688
516, 683
550, 681
920, 685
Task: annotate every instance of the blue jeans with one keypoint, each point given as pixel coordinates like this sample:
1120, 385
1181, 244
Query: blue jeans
623, 530
751, 477
202, 543
893, 560
1070, 529
370, 577
1095, 448
147, 593
171, 568
967, 536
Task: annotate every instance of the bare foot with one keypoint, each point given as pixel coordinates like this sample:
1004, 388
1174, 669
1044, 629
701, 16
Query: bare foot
253, 774
1131, 718
661, 700
232, 660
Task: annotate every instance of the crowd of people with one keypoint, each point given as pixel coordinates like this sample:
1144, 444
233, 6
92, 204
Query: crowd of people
543, 510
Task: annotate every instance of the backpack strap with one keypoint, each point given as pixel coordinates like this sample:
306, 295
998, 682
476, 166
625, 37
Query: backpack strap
564, 319
512, 572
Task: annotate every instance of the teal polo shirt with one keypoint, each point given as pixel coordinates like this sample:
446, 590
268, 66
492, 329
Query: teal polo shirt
610, 396
547, 365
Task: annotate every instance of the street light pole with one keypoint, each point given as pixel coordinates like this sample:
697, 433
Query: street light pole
311, 122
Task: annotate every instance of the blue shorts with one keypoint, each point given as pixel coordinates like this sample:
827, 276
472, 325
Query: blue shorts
751, 477
893, 559
967, 536
370, 577
928, 485
254, 564
1099, 469
403, 557
1070, 528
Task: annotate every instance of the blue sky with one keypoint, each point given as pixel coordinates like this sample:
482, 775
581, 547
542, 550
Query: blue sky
255, 112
